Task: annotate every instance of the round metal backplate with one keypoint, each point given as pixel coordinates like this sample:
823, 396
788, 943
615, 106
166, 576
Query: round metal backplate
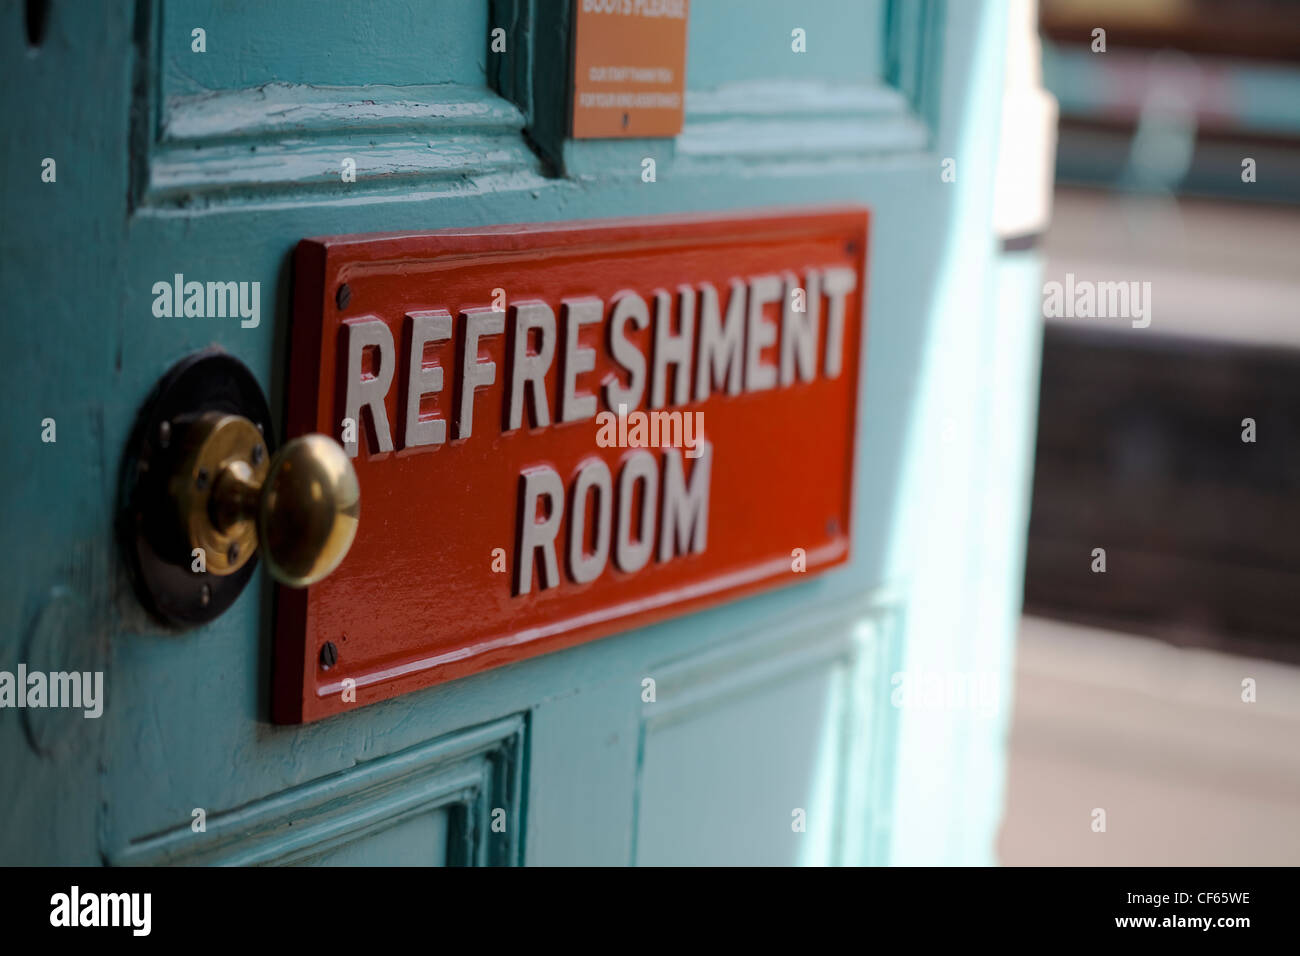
152, 537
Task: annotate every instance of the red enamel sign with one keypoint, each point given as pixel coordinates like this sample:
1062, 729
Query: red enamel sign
562, 431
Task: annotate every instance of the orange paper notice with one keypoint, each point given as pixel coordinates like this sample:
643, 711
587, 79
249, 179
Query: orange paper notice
629, 68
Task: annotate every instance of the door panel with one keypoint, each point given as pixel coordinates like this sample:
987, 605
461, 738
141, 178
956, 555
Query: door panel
757, 751
453, 801
384, 42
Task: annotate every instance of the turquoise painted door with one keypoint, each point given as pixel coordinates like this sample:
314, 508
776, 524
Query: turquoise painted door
206, 138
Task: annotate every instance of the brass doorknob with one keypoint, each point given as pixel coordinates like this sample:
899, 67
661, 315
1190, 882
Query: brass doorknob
201, 495
300, 507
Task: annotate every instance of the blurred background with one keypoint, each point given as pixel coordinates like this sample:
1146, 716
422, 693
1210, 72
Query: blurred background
1166, 689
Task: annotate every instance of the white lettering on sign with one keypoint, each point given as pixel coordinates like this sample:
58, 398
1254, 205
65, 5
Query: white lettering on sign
626, 101
630, 74
657, 504
529, 369
674, 9
367, 387
425, 328
577, 313
474, 372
